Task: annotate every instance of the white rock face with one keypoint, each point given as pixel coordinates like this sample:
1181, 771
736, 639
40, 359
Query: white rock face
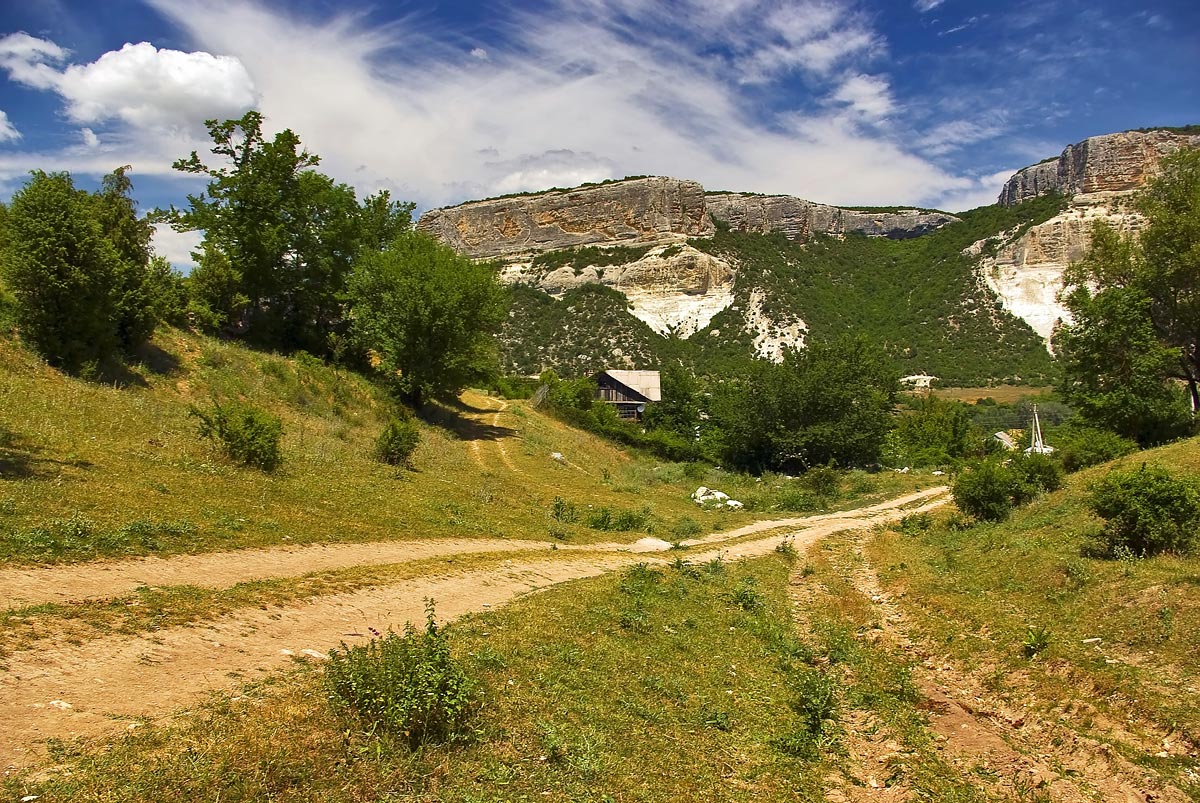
772, 336
1026, 271
674, 288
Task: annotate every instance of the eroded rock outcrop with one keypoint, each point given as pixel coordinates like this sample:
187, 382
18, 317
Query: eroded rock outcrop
674, 289
1107, 163
799, 219
1101, 175
636, 211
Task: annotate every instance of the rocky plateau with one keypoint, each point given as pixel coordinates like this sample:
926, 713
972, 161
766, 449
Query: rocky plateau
672, 287
677, 289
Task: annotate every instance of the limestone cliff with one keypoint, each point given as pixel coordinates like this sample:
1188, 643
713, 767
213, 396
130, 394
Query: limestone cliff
1108, 163
1025, 269
644, 210
799, 219
1100, 175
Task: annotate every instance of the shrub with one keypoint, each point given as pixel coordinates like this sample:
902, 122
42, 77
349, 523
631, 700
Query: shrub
1147, 510
986, 491
249, 436
408, 685
397, 442
1085, 446
1039, 472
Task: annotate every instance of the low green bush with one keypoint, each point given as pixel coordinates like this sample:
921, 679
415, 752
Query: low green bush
407, 685
986, 491
397, 442
1039, 472
1079, 448
246, 434
1147, 510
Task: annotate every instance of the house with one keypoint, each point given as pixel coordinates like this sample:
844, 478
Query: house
628, 391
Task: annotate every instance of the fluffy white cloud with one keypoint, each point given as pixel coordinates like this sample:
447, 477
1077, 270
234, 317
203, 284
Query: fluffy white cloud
583, 91
176, 246
25, 57
867, 95
8, 131
139, 84
90, 140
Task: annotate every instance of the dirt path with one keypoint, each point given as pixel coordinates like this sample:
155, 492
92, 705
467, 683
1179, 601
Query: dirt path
1021, 760
108, 579
104, 685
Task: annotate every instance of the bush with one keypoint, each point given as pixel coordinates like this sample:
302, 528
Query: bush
397, 442
406, 685
1038, 472
249, 436
988, 491
1083, 447
1147, 510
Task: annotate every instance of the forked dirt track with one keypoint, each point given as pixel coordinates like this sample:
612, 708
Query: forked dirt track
105, 685
1021, 761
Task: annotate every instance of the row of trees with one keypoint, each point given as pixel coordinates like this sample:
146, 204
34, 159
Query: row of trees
828, 404
290, 260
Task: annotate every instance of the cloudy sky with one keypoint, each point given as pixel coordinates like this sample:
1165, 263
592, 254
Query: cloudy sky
930, 102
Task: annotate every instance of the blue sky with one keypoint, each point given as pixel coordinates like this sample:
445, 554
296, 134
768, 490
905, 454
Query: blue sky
907, 102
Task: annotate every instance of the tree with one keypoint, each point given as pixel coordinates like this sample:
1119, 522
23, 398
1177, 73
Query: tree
138, 305
830, 403
62, 271
427, 314
1135, 304
934, 432
679, 410
279, 237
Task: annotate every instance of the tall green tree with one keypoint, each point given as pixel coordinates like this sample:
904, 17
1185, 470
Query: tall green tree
428, 314
1135, 304
135, 287
830, 403
279, 237
62, 270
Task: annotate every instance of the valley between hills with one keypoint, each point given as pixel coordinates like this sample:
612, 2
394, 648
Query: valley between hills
186, 621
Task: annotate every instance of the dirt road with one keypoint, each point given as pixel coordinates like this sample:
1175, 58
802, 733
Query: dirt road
105, 685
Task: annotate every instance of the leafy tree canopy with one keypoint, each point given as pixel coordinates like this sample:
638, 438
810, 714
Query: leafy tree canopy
427, 314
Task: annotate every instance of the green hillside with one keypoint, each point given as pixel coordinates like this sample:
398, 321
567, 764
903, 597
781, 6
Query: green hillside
920, 299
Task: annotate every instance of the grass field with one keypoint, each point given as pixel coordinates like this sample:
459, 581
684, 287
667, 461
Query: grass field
91, 471
1123, 654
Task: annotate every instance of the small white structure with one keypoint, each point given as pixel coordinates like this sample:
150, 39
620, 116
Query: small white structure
918, 381
1006, 441
1039, 446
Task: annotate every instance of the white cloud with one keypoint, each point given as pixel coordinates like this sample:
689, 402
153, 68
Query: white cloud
954, 134
479, 53
25, 57
867, 95
578, 93
976, 191
8, 131
90, 140
138, 84
927, 5
176, 246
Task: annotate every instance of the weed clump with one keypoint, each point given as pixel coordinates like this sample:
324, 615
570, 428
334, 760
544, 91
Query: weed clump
406, 685
397, 442
248, 436
816, 702
1147, 511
